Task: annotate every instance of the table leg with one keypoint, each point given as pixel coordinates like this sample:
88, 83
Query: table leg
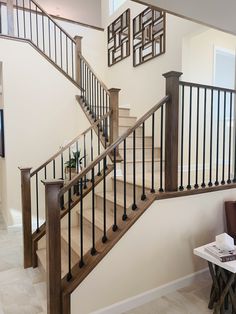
226, 289
215, 290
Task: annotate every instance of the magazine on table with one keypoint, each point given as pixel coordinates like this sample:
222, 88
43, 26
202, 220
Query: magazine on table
221, 255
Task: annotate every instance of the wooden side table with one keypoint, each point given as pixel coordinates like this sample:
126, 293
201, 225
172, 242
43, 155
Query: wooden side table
223, 281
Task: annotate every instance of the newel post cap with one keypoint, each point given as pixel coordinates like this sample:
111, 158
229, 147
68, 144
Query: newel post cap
172, 74
53, 182
114, 90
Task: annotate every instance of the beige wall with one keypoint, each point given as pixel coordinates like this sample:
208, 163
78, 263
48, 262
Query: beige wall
40, 113
88, 12
214, 13
156, 250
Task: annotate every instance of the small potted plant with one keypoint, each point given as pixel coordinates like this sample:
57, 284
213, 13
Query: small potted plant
74, 164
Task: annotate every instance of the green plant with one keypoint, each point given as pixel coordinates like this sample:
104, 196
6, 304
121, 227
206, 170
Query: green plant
74, 161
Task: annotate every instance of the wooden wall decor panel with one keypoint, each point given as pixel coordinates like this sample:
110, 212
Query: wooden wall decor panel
118, 34
149, 35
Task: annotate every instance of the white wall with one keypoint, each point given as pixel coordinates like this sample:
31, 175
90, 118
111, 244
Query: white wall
156, 250
40, 113
142, 87
88, 12
214, 13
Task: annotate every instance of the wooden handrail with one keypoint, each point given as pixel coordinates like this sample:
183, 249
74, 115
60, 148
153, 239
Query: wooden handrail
91, 69
190, 84
113, 146
69, 144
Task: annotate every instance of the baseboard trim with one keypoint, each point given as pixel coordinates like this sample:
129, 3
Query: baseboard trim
148, 296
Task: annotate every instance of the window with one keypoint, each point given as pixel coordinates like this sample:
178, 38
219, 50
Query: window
115, 4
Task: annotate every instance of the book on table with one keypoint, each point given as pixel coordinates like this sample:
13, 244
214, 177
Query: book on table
221, 255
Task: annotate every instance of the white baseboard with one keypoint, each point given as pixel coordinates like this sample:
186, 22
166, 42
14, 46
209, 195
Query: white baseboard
148, 296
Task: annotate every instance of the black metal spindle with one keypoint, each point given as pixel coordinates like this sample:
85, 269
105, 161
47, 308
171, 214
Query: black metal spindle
181, 187
91, 136
37, 25
217, 140
190, 139
114, 227
93, 250
99, 149
211, 138
45, 172
17, 18
69, 275
125, 201
85, 162
230, 137
104, 238
54, 168
62, 166
203, 185
23, 12
69, 163
196, 186
143, 197
223, 152
134, 206
81, 262
161, 150
153, 143
37, 202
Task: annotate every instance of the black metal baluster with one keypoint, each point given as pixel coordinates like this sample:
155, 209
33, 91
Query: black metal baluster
93, 250
99, 148
125, 201
23, 9
91, 145
54, 169
97, 100
181, 187
211, 139
85, 162
37, 202
161, 150
17, 19
203, 185
223, 164
61, 49
217, 140
69, 163
81, 262
49, 39
196, 186
30, 10
143, 197
55, 42
189, 139
230, 136
104, 238
37, 26
114, 227
153, 143
45, 172
134, 206
69, 275
43, 32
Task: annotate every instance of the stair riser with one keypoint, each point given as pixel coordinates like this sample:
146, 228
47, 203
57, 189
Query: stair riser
110, 206
124, 112
129, 189
138, 167
129, 142
127, 121
139, 154
123, 129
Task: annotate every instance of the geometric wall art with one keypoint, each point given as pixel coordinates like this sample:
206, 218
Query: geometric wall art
118, 34
149, 35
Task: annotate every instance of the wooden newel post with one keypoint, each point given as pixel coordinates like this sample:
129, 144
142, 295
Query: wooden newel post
53, 245
26, 216
10, 18
171, 131
78, 52
114, 119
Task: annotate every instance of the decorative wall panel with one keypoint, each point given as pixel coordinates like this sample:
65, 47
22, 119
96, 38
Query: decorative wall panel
148, 35
119, 39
